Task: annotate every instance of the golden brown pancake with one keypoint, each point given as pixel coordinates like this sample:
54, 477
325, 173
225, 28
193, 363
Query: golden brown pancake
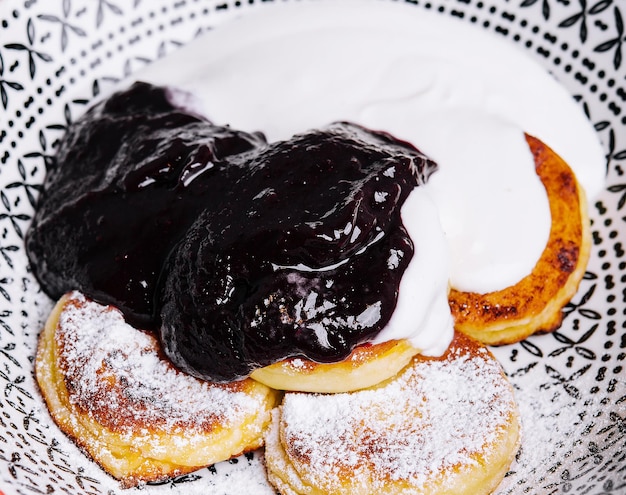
109, 388
445, 425
535, 303
366, 366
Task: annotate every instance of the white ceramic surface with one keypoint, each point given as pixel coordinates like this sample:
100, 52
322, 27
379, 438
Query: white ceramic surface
58, 55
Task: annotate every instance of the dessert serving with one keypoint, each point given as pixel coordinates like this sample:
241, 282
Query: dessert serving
267, 252
281, 257
322, 228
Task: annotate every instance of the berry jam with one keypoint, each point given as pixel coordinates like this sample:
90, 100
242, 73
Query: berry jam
241, 253
124, 190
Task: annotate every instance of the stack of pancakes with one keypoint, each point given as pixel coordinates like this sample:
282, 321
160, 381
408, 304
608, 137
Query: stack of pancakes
386, 419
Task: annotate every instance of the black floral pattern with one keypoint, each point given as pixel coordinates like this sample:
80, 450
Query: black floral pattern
66, 26
544, 4
103, 6
33, 55
580, 18
5, 86
614, 45
56, 56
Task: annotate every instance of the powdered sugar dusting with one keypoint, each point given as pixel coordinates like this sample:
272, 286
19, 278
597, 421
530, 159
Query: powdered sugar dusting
110, 366
438, 415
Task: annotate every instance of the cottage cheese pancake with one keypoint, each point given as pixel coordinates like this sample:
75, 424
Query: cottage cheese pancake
535, 303
444, 425
109, 388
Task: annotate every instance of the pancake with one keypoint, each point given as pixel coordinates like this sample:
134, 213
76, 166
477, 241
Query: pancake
367, 365
536, 302
109, 388
445, 425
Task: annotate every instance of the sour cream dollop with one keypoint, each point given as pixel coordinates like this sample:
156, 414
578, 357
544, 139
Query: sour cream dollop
457, 93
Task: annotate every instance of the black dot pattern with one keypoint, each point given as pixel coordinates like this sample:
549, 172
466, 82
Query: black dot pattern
57, 56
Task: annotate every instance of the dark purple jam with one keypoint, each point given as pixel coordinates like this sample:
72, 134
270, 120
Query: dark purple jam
243, 253
130, 178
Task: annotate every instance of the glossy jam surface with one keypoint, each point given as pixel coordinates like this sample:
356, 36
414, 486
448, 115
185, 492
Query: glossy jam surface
125, 189
242, 252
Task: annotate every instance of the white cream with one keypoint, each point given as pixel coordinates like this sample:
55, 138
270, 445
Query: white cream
493, 207
422, 307
454, 91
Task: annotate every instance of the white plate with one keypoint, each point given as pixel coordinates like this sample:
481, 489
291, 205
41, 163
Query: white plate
58, 55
